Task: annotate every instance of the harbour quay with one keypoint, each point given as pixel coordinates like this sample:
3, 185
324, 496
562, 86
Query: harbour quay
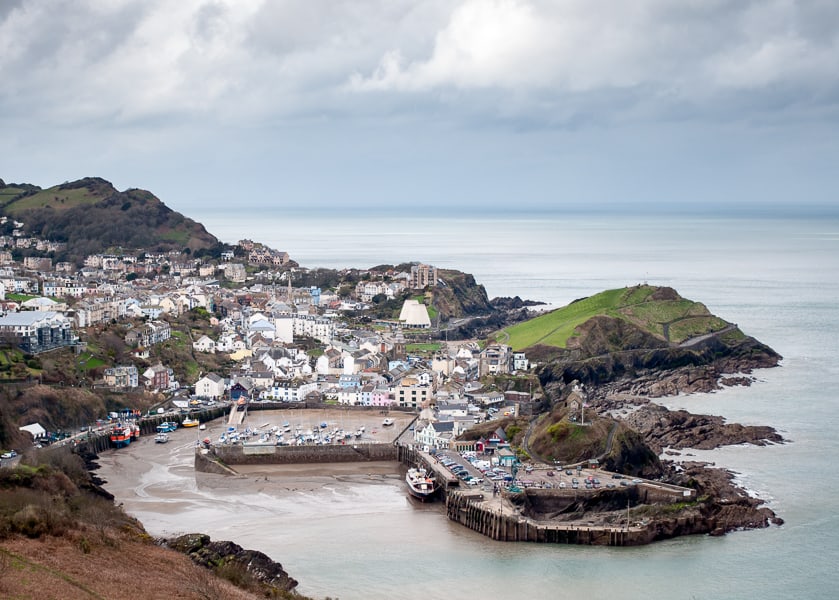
521, 514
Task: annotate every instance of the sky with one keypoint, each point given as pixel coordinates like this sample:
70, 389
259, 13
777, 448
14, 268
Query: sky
678, 105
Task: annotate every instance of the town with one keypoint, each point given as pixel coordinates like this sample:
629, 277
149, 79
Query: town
269, 338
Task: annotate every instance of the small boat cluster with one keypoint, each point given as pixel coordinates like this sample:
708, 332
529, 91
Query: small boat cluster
288, 435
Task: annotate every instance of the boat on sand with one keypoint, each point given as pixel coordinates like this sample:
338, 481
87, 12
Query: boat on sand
420, 485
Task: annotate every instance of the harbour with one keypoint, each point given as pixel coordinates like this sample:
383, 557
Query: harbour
495, 510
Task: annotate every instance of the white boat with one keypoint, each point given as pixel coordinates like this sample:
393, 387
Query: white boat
202, 427
161, 438
420, 485
387, 422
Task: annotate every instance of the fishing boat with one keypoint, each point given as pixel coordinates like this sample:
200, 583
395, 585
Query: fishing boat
120, 436
161, 438
420, 485
167, 426
135, 431
190, 422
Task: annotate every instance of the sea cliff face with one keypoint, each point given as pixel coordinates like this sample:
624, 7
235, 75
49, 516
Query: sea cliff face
655, 369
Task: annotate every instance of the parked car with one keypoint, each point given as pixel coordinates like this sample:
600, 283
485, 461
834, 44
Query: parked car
9, 454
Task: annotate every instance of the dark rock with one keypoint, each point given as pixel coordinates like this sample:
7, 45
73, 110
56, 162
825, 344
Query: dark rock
507, 303
207, 553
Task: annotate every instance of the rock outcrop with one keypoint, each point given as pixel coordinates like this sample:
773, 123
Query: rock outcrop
214, 555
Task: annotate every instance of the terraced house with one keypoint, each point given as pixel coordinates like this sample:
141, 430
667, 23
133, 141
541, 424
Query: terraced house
122, 377
149, 334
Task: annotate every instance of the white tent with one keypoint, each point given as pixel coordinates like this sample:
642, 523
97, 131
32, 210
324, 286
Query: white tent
35, 429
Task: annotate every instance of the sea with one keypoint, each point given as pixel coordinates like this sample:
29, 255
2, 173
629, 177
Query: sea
777, 278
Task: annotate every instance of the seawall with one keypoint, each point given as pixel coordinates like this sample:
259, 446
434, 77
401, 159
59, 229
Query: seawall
266, 454
466, 508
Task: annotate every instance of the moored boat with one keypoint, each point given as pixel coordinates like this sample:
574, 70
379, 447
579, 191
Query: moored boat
420, 484
387, 422
161, 438
167, 426
189, 422
120, 436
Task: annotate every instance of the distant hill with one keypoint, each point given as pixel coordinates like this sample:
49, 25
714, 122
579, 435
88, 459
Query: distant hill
656, 316
91, 216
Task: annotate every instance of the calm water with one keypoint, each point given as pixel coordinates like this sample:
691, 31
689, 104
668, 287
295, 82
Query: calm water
779, 280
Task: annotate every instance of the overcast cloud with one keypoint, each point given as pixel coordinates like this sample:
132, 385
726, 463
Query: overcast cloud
543, 104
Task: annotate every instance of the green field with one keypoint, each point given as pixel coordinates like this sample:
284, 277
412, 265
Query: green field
58, 199
19, 297
7, 193
554, 328
675, 320
429, 347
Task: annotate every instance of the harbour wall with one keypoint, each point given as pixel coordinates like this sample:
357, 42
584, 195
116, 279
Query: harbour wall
466, 508
266, 454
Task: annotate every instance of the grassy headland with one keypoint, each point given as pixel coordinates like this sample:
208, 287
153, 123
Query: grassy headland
660, 312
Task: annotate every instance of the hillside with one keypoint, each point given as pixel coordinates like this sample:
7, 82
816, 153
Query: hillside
91, 216
61, 536
657, 316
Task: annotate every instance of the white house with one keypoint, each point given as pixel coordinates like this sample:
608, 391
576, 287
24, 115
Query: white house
210, 386
288, 391
436, 435
204, 344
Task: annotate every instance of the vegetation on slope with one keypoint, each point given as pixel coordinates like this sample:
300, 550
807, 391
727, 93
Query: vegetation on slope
657, 311
91, 216
61, 536
459, 295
